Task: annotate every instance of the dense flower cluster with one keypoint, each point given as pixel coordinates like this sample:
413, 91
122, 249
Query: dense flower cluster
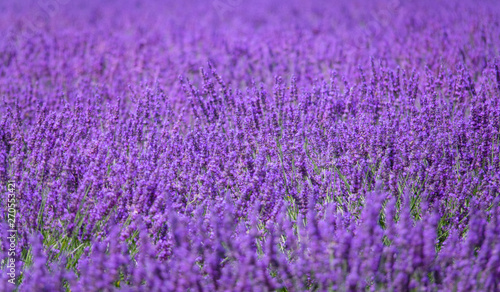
251, 145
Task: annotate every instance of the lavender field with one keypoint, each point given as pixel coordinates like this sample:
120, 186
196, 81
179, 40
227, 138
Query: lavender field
266, 145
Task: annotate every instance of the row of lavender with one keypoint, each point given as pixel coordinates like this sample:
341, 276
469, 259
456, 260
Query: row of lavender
211, 250
252, 146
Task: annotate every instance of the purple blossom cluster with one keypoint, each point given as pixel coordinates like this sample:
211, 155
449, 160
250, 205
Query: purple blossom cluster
251, 146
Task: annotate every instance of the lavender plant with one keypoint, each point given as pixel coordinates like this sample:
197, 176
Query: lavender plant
348, 146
